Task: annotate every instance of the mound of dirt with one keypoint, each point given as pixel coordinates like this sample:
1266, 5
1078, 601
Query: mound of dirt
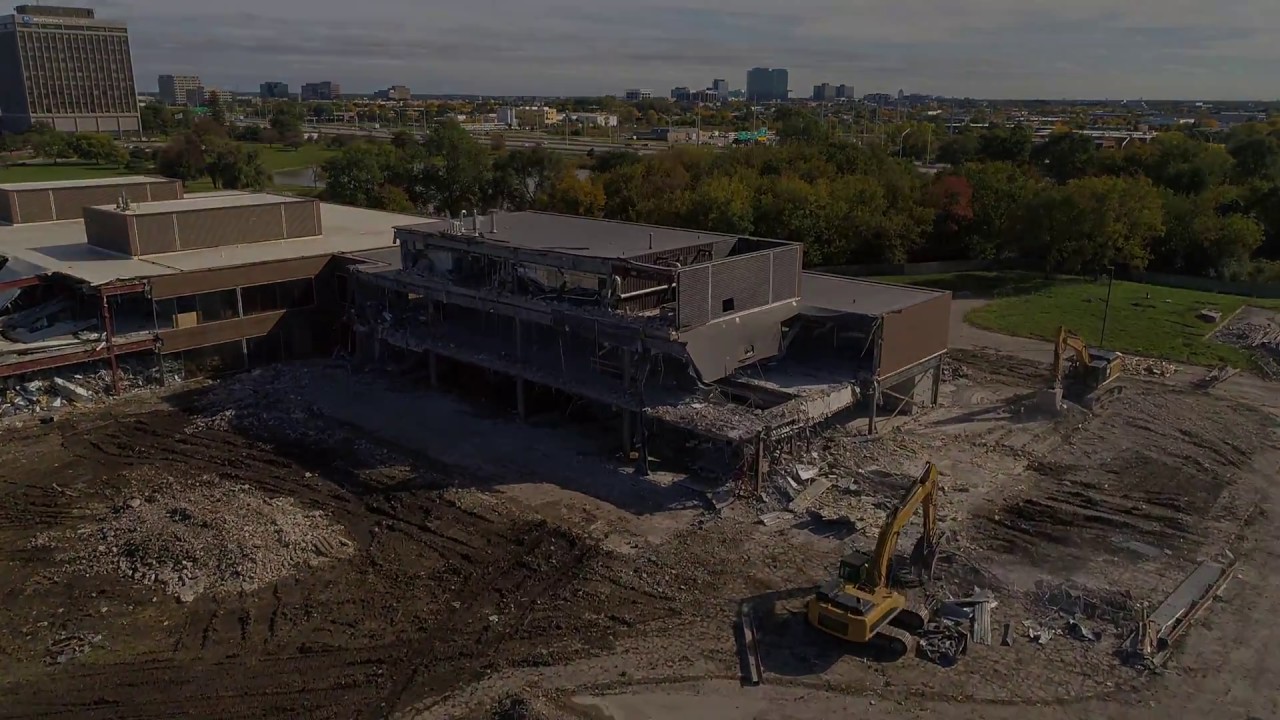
199, 535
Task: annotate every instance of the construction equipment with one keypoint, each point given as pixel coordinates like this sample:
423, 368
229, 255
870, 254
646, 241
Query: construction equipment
858, 604
1082, 375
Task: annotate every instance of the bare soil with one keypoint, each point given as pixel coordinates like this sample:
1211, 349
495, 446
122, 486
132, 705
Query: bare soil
502, 570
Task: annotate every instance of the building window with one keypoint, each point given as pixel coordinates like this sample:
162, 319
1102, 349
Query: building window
212, 359
726, 305
274, 297
191, 310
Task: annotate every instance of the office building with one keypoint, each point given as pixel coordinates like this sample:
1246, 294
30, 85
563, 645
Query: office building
826, 92
767, 84
321, 91
637, 94
173, 88
528, 116
845, 92
66, 68
680, 94
721, 86
395, 92
600, 120
274, 90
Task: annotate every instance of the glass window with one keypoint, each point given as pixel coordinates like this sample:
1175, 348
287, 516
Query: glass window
273, 297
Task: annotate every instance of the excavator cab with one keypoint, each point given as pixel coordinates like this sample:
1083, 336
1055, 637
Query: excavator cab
1082, 374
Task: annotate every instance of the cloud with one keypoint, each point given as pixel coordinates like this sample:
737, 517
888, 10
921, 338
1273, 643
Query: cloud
980, 48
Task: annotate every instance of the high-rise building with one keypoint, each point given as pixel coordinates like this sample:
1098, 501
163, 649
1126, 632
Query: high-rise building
173, 88
826, 92
66, 68
680, 94
395, 92
844, 92
274, 90
721, 86
321, 91
767, 84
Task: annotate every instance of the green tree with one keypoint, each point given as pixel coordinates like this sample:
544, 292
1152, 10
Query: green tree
1065, 156
456, 173
999, 191
1090, 224
157, 119
522, 176
959, 149
1198, 239
573, 195
182, 158
232, 166
357, 174
1257, 158
1005, 144
721, 204
217, 111
53, 146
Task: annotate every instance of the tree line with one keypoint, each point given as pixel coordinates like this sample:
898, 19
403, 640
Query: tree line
1178, 203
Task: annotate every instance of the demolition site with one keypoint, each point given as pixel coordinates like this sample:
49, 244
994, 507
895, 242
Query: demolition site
267, 456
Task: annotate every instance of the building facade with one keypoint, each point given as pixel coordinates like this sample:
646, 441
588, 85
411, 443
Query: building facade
767, 84
532, 116
826, 92
721, 86
173, 88
395, 92
321, 91
274, 90
66, 68
637, 94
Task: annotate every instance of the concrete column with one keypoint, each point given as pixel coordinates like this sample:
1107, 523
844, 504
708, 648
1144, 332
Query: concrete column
520, 408
875, 406
626, 432
937, 383
432, 370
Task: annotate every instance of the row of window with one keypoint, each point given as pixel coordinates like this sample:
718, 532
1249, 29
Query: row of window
218, 305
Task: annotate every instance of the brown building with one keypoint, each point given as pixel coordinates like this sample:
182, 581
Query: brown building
208, 282
66, 68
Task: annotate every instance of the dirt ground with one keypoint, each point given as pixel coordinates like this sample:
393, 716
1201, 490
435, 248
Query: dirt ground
499, 569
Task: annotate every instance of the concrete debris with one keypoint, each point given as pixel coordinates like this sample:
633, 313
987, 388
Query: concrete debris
811, 493
1141, 548
1218, 376
1149, 367
1039, 635
199, 535
1080, 631
1210, 315
1109, 606
773, 518
71, 391
953, 370
1153, 641
943, 642
70, 646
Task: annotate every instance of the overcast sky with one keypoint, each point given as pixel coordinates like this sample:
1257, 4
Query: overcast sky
981, 48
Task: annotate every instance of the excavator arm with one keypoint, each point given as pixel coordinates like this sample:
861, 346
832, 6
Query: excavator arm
1067, 340
922, 492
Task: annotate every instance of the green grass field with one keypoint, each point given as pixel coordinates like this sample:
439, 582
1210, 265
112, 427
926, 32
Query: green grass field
282, 158
1148, 320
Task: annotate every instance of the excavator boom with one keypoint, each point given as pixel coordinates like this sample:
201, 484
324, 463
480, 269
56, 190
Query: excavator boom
921, 492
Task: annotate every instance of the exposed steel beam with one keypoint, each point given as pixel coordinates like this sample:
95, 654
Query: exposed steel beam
20, 283
123, 289
72, 358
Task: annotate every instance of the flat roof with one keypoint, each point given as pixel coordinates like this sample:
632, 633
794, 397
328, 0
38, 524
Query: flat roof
574, 235
95, 182
207, 202
859, 295
61, 247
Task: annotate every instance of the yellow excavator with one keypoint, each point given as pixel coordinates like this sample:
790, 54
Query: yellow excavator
858, 604
1082, 375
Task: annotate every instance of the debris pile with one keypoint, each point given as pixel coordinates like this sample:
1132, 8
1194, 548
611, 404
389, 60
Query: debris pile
1262, 338
953, 370
197, 536
1149, 367
53, 390
70, 646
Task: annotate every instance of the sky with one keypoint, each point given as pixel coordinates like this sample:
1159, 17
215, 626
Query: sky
1117, 49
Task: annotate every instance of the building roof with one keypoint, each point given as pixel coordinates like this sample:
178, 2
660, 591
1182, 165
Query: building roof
61, 247
95, 182
837, 293
209, 201
589, 237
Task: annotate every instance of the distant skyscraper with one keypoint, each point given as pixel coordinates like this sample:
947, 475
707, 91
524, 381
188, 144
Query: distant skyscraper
326, 90
767, 84
826, 92
66, 68
273, 90
173, 88
721, 87
845, 92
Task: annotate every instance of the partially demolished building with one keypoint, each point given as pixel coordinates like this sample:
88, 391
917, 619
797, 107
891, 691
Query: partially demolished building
96, 270
721, 336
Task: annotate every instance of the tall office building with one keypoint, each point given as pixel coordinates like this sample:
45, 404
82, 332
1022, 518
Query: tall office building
721, 86
173, 88
826, 92
274, 90
767, 84
321, 91
66, 68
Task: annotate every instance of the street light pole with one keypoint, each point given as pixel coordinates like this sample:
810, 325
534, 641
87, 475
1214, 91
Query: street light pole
902, 142
1106, 312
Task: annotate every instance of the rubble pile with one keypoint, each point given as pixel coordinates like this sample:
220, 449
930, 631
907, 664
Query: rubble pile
1149, 367
1261, 337
953, 370
55, 389
200, 535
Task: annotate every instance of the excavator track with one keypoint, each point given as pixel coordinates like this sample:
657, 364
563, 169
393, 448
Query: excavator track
897, 639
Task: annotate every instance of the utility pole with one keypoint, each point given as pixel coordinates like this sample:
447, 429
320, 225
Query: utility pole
1106, 312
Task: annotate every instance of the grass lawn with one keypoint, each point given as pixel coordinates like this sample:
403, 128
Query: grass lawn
279, 157
64, 170
1148, 320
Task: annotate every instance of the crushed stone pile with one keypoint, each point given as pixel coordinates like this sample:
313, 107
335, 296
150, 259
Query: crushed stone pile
198, 536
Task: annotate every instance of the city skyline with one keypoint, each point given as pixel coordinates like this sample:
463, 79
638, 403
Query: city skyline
988, 48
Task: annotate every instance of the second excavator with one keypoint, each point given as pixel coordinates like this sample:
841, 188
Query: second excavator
859, 604
1083, 375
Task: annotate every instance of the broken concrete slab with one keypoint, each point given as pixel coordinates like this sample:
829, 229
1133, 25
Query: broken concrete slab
811, 493
71, 391
773, 518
